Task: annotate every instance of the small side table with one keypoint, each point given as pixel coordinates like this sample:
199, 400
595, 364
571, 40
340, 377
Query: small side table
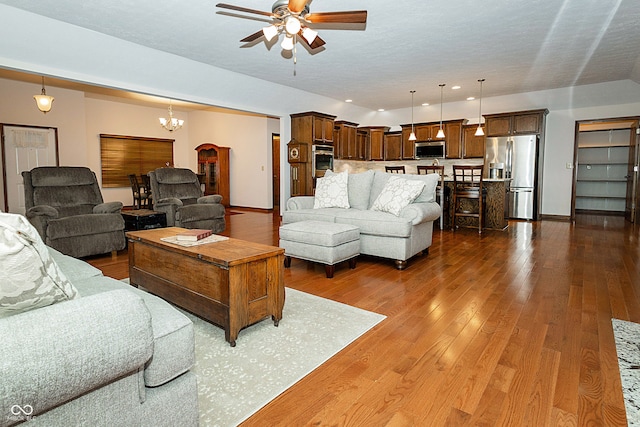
143, 219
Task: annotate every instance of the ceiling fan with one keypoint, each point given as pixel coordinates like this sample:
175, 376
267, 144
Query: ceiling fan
293, 18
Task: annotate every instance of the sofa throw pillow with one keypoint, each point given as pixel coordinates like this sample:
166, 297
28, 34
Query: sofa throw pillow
29, 277
331, 191
397, 194
358, 188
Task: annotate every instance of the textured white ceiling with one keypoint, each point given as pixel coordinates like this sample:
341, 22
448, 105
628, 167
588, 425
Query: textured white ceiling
516, 45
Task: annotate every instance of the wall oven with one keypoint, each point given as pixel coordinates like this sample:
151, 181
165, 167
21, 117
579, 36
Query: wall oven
429, 150
321, 160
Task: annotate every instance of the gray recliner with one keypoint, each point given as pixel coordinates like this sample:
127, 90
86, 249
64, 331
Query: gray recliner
178, 194
65, 205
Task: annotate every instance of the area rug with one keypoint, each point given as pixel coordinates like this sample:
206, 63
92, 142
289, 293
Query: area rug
627, 336
235, 382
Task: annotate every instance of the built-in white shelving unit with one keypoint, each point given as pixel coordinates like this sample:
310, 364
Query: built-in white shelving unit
603, 156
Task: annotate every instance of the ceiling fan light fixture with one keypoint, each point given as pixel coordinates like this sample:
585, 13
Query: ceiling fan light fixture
44, 102
287, 42
270, 32
309, 34
292, 25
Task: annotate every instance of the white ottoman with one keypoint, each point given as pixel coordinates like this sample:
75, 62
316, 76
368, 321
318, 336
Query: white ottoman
318, 241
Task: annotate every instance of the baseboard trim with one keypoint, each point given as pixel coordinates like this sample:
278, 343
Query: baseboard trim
241, 208
564, 218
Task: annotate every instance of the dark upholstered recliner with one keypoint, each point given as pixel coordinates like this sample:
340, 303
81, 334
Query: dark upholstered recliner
178, 194
66, 207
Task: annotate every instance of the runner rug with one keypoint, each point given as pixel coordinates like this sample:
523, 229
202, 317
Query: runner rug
627, 336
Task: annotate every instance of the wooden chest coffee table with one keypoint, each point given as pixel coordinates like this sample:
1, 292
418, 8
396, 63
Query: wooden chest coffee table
232, 283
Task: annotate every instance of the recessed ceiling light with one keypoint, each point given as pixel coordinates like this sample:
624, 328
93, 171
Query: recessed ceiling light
455, 87
471, 98
425, 104
348, 100
380, 109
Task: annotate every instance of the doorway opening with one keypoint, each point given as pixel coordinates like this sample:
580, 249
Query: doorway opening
275, 167
606, 158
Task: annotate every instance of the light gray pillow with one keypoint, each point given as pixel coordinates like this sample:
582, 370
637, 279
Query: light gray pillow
359, 188
397, 194
29, 277
430, 183
331, 192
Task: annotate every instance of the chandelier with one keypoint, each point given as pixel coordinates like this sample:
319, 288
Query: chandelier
171, 123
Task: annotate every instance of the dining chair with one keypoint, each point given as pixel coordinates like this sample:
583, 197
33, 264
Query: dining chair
467, 186
394, 169
442, 192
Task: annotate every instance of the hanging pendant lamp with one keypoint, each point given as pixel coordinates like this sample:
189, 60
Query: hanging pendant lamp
43, 101
479, 131
440, 131
412, 136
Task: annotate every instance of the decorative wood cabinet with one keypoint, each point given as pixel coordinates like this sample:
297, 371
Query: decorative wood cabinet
393, 146
517, 123
213, 166
300, 168
345, 140
472, 145
374, 148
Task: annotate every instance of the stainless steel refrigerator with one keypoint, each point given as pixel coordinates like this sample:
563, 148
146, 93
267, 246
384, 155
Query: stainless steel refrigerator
515, 158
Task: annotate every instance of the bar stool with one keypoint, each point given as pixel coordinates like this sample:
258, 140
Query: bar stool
441, 190
467, 186
394, 169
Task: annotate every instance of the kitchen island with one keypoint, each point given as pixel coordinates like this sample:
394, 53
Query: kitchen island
496, 208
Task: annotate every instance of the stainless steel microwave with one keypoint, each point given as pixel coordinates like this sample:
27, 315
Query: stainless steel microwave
429, 150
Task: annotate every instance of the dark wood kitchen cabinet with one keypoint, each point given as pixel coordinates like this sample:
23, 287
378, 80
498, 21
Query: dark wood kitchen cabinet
472, 145
453, 138
516, 123
393, 146
374, 148
312, 127
346, 140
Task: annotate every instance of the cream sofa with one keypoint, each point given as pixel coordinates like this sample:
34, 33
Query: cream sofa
382, 234
112, 356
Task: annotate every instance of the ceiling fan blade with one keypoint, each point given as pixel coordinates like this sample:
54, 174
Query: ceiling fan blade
347, 17
317, 42
297, 6
243, 9
252, 37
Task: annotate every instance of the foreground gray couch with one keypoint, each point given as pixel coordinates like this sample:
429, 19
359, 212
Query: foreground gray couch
116, 356
382, 234
65, 205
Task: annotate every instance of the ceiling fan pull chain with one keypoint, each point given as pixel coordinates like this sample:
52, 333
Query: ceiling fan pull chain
295, 51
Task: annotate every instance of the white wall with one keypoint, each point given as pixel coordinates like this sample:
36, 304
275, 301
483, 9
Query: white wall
131, 67
80, 121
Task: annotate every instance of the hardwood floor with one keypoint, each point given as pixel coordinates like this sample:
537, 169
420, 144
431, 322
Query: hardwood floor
505, 328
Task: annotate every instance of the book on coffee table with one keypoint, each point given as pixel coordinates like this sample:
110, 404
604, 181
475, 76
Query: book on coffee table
193, 235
